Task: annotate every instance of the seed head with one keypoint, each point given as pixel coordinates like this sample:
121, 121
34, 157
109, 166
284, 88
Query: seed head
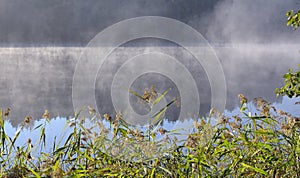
91, 110
212, 112
29, 141
228, 134
237, 118
107, 117
27, 119
265, 111
46, 114
162, 131
242, 98
84, 139
197, 125
147, 95
223, 120
234, 125
282, 113
153, 91
118, 116
28, 156
6, 112
72, 124
191, 142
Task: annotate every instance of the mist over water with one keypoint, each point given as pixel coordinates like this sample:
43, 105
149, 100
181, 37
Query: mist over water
35, 79
41, 45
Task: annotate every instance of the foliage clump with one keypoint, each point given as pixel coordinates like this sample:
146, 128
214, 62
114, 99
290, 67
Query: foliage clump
293, 19
291, 87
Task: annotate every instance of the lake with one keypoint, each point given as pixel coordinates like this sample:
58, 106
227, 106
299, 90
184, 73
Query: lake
33, 79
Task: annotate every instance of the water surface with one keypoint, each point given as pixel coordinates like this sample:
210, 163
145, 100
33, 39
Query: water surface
33, 79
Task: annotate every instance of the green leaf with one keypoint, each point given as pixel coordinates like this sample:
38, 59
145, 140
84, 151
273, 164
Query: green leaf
136, 94
59, 150
55, 167
1, 119
37, 126
287, 76
158, 115
166, 170
289, 13
33, 172
254, 168
16, 137
160, 97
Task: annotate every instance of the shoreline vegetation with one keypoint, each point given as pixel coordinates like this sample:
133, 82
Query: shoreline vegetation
264, 142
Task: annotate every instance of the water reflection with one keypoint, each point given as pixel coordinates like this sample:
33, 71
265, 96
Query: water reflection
35, 79
58, 129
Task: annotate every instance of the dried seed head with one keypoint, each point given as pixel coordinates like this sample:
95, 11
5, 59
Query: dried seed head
84, 139
83, 133
242, 98
115, 124
82, 120
72, 124
46, 114
197, 125
150, 127
212, 112
27, 119
228, 134
286, 128
136, 132
223, 120
147, 95
162, 131
234, 125
153, 92
265, 111
28, 156
6, 112
118, 116
237, 118
282, 113
29, 141
154, 134
91, 110
191, 142
260, 103
107, 117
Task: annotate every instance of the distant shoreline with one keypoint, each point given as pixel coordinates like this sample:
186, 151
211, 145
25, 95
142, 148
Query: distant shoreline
233, 45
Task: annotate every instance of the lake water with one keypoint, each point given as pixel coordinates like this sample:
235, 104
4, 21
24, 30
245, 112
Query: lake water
33, 79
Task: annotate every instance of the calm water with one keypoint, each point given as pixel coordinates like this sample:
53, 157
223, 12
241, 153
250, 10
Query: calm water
38, 78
